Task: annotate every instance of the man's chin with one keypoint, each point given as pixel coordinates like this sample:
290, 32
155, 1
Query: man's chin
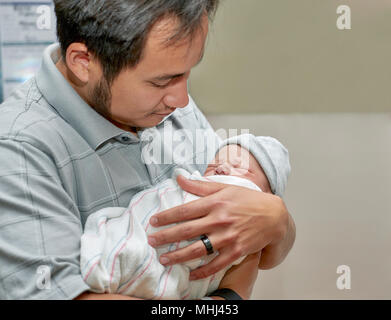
151, 121
154, 120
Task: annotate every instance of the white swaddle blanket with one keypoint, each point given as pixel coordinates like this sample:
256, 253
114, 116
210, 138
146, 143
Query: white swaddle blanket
116, 256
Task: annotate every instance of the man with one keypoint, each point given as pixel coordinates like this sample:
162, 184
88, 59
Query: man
70, 144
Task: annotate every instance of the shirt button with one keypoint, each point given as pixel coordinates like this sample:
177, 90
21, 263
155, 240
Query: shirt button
125, 139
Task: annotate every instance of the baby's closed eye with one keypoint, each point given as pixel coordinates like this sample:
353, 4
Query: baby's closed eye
236, 162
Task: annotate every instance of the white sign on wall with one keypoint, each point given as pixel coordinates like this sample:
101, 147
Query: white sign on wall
26, 28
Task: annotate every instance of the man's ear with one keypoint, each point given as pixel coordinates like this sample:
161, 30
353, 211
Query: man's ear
78, 60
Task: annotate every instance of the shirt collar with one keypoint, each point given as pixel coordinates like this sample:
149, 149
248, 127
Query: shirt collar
94, 128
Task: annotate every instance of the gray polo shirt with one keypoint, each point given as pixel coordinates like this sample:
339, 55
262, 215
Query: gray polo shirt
59, 162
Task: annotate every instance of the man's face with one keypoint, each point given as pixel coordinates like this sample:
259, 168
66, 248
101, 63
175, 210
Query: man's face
143, 95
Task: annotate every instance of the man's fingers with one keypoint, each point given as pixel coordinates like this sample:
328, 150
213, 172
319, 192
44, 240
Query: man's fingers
225, 258
188, 211
191, 210
195, 250
192, 251
200, 188
183, 231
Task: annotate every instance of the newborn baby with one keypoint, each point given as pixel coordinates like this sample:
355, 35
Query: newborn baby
115, 254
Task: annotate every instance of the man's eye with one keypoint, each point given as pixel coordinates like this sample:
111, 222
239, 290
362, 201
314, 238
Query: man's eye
157, 85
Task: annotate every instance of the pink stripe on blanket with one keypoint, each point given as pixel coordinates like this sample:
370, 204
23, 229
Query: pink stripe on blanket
161, 195
168, 273
92, 268
120, 249
129, 211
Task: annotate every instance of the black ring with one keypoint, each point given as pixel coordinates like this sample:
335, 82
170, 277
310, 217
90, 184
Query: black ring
207, 243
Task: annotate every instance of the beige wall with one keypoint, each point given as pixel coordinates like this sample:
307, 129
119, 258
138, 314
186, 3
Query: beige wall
339, 196
288, 56
283, 69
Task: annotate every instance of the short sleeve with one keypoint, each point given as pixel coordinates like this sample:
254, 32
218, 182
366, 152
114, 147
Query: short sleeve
40, 227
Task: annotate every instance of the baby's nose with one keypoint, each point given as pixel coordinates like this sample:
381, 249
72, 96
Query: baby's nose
223, 169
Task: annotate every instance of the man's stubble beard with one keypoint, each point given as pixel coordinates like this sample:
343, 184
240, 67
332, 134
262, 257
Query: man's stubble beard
100, 98
100, 101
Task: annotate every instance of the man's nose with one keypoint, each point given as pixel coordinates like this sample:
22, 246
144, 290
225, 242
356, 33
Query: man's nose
178, 97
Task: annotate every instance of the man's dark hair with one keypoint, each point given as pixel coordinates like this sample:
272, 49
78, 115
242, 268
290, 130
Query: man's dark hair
115, 31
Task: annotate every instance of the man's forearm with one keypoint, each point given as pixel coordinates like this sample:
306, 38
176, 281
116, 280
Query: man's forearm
273, 255
103, 296
99, 296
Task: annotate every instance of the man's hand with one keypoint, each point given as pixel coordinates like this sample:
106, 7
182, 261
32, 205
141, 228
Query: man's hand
237, 220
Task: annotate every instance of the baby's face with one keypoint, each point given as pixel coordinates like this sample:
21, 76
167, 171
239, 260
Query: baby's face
233, 160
